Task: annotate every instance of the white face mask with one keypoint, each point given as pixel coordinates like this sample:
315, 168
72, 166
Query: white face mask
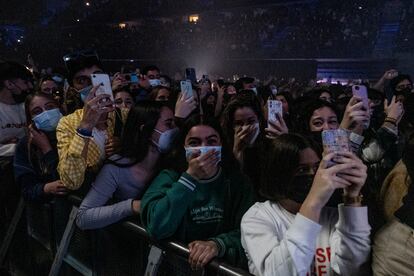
253, 137
254, 89
166, 139
189, 151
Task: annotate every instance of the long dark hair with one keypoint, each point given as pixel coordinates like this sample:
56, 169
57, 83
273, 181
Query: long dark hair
138, 128
32, 151
243, 99
29, 100
176, 160
304, 108
279, 165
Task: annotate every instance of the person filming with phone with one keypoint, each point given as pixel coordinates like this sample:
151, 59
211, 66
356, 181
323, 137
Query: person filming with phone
292, 232
88, 135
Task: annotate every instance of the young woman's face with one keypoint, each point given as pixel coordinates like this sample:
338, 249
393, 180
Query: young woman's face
285, 105
123, 100
231, 90
308, 162
166, 120
323, 118
48, 86
163, 95
201, 136
41, 104
326, 97
245, 116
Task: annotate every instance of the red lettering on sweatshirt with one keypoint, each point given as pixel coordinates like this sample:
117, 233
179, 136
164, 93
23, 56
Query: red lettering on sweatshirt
320, 255
322, 270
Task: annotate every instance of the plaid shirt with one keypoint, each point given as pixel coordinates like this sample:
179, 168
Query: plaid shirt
72, 165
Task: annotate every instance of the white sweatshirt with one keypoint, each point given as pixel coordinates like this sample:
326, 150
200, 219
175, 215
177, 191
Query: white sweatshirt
12, 125
280, 243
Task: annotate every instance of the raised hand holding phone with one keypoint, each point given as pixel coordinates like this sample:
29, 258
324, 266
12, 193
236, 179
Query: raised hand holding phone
394, 110
184, 106
103, 82
95, 106
325, 182
275, 123
355, 116
186, 88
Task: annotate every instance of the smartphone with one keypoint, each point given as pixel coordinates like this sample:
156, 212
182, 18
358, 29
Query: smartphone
335, 140
274, 107
361, 92
186, 88
133, 78
190, 74
104, 84
392, 75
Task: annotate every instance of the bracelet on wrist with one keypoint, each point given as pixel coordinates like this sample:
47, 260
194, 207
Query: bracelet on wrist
83, 132
352, 200
390, 119
394, 123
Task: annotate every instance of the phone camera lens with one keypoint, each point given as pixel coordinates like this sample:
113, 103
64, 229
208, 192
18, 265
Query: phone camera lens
357, 88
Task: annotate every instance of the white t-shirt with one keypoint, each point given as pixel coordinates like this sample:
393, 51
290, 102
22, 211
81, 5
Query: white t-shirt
12, 124
100, 137
280, 243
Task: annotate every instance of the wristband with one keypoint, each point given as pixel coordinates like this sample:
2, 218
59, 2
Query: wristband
352, 200
387, 120
83, 132
390, 119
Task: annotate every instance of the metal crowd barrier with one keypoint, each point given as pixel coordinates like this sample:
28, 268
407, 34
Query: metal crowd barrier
124, 248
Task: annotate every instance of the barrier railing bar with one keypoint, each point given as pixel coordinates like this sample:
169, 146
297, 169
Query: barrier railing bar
78, 266
11, 231
64, 243
183, 250
176, 247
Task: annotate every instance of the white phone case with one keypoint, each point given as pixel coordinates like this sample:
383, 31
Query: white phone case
274, 107
186, 88
104, 84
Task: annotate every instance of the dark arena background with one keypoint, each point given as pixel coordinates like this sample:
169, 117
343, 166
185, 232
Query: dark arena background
266, 46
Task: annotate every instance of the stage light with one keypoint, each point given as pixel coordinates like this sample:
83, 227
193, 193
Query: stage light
193, 18
87, 4
78, 20
19, 41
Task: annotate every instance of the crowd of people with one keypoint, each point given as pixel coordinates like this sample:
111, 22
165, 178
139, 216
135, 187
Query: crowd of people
211, 167
304, 29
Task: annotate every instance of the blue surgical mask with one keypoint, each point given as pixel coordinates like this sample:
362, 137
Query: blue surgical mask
48, 120
203, 150
84, 92
166, 139
154, 82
